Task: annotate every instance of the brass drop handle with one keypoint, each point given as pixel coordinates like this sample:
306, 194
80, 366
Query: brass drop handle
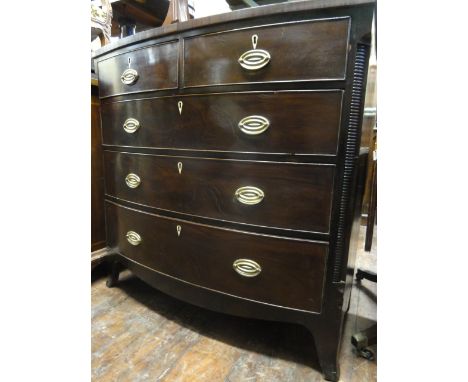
131, 125
129, 76
247, 267
133, 238
132, 180
249, 195
254, 59
253, 124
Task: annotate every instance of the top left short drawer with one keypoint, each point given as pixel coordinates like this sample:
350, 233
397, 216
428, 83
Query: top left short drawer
147, 69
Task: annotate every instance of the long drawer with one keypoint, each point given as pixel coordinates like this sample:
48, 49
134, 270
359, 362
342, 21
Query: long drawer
272, 270
280, 195
296, 51
303, 122
152, 68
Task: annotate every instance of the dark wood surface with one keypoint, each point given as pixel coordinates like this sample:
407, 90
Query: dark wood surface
98, 229
299, 51
292, 272
297, 196
299, 7
344, 195
156, 67
369, 133
145, 14
303, 122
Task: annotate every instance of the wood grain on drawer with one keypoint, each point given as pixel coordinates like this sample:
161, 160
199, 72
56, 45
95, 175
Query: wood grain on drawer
291, 272
303, 122
155, 66
299, 51
295, 196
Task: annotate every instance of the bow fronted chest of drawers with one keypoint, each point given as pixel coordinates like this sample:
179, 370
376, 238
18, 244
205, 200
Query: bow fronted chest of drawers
231, 149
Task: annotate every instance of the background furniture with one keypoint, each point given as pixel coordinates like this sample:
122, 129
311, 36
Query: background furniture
364, 339
123, 18
231, 147
369, 124
98, 231
372, 208
132, 16
101, 20
179, 11
239, 4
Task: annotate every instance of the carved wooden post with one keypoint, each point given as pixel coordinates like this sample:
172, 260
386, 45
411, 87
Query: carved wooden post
179, 10
101, 21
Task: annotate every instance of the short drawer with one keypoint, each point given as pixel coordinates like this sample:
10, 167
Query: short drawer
296, 51
302, 122
279, 195
273, 270
152, 68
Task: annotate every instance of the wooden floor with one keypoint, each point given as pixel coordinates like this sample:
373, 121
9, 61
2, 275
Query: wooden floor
140, 334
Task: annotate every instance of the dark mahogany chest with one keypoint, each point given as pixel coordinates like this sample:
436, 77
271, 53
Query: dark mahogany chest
231, 149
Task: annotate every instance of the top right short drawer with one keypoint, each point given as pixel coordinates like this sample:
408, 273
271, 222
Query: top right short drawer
296, 51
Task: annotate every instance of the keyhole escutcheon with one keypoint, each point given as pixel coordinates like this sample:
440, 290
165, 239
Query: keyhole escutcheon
254, 41
180, 104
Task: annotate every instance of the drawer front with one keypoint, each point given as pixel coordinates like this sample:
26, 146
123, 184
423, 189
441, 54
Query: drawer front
152, 68
273, 270
287, 196
301, 51
267, 122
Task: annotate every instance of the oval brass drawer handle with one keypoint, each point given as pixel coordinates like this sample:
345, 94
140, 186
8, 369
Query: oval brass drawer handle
133, 238
254, 124
247, 268
249, 195
131, 125
129, 76
132, 180
254, 59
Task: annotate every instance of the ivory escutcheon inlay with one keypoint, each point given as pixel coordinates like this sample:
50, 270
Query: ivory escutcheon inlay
247, 268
